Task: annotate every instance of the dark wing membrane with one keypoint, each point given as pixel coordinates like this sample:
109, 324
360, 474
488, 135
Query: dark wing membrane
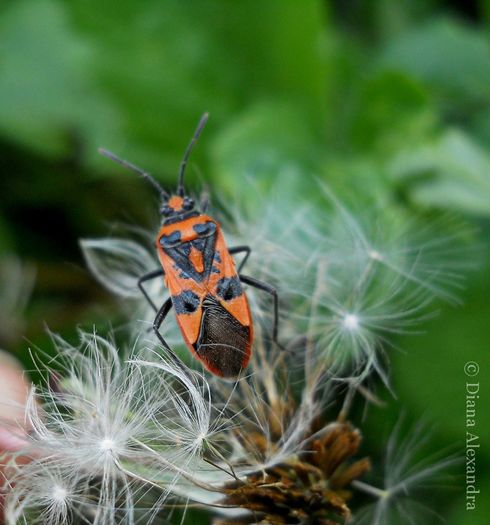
224, 343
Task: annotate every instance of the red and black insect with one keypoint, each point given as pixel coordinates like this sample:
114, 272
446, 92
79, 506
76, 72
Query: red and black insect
204, 284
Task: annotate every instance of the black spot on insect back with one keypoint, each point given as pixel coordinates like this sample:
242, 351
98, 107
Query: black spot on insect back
167, 241
205, 229
229, 287
185, 303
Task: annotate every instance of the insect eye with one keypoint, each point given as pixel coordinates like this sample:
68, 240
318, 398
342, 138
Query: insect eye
166, 210
188, 203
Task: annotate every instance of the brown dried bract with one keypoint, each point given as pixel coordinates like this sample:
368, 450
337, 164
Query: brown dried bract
310, 489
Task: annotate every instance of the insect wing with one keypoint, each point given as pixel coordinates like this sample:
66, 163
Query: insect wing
226, 332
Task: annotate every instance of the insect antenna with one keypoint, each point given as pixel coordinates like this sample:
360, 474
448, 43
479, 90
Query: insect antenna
134, 168
183, 164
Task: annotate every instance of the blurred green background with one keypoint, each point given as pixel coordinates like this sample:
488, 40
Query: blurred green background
387, 101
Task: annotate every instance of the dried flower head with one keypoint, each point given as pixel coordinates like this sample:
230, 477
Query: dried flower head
107, 432
114, 438
123, 437
311, 487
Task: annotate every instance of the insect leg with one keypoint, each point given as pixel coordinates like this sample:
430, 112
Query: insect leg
240, 249
160, 317
147, 277
157, 323
271, 290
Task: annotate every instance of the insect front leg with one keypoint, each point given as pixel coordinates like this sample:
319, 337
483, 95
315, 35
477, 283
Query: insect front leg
260, 285
240, 249
148, 277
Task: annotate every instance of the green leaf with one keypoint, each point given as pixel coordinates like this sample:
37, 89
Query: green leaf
164, 64
448, 56
452, 172
47, 96
262, 141
135, 78
393, 110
